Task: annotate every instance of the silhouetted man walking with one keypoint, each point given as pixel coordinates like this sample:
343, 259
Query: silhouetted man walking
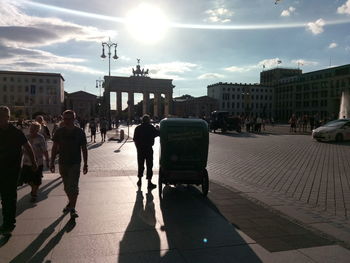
11, 142
144, 139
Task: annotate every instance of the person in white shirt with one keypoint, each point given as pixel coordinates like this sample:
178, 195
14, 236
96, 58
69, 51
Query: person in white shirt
28, 175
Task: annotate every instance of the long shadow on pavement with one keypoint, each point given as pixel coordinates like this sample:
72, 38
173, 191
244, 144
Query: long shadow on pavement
141, 242
196, 229
23, 204
32, 253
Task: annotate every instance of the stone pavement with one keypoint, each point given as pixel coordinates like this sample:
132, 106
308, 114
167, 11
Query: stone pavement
118, 223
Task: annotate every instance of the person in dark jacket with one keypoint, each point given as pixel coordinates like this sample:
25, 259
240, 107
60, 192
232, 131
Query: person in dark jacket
11, 142
144, 139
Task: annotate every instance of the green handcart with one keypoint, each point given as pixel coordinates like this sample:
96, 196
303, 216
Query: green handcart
183, 158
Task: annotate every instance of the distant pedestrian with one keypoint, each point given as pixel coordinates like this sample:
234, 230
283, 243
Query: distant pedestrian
144, 140
44, 129
258, 124
71, 142
293, 123
305, 121
103, 129
92, 127
28, 175
11, 142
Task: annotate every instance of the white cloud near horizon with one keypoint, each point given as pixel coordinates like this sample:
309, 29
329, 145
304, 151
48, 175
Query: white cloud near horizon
221, 15
288, 12
238, 69
211, 76
27, 59
344, 9
317, 26
304, 62
171, 70
333, 45
269, 63
20, 29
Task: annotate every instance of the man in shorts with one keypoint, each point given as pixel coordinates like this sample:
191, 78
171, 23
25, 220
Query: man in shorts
71, 142
144, 139
103, 129
92, 127
11, 142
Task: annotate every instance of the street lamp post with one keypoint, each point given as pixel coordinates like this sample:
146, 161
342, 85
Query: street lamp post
99, 84
109, 46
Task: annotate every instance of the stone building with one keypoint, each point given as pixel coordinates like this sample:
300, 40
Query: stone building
83, 103
313, 93
31, 93
243, 99
188, 106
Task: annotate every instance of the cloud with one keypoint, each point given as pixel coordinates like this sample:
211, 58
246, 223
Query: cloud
221, 15
27, 59
333, 45
171, 70
304, 62
269, 63
238, 69
19, 29
288, 11
347, 48
210, 76
316, 27
344, 9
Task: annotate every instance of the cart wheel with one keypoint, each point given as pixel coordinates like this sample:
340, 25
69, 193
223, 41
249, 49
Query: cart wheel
205, 183
160, 186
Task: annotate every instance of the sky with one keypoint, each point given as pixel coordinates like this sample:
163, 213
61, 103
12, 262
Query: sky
194, 42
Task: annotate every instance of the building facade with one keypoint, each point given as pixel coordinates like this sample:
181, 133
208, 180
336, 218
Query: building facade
83, 103
315, 93
31, 93
200, 107
243, 99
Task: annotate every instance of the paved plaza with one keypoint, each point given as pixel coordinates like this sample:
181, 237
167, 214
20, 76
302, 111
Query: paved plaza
274, 197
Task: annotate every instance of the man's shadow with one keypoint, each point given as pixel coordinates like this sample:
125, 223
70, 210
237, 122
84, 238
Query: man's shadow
141, 230
24, 203
32, 253
192, 222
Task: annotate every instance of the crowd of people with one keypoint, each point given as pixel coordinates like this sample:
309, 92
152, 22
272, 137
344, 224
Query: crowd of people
22, 157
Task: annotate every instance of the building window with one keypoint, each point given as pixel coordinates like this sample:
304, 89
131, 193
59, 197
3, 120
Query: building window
4, 99
33, 80
4, 79
233, 96
233, 105
5, 88
223, 105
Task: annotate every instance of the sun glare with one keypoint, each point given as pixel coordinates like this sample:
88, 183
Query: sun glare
146, 23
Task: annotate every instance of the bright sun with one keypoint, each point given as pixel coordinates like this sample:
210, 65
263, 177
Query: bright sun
146, 23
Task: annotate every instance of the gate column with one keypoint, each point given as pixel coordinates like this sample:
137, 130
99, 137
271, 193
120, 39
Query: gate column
167, 104
145, 103
119, 104
130, 106
156, 105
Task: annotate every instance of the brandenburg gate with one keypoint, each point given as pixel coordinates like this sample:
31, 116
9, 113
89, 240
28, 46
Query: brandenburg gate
139, 82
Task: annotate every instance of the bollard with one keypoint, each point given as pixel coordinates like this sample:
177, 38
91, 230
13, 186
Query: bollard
121, 136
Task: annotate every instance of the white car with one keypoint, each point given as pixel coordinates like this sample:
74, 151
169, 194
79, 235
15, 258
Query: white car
337, 130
